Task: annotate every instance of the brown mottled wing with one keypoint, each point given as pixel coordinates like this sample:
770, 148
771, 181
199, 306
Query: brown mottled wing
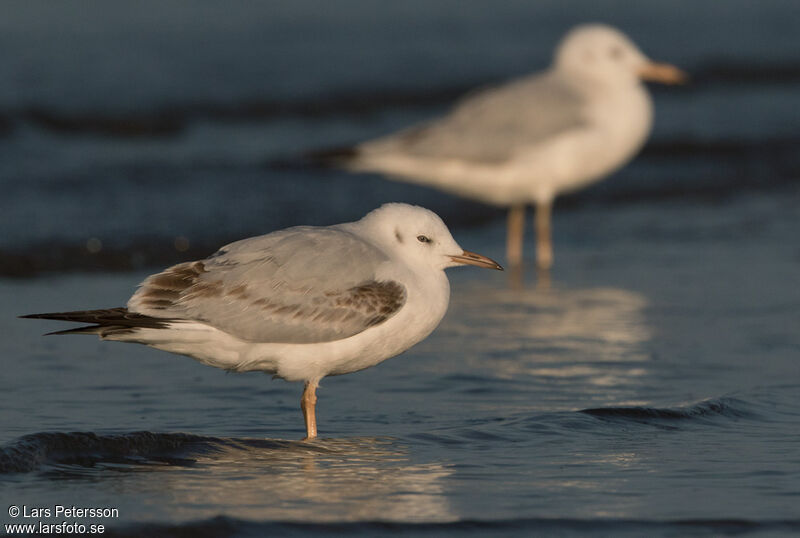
301, 285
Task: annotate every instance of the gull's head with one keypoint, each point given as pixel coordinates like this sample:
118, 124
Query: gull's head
419, 237
603, 53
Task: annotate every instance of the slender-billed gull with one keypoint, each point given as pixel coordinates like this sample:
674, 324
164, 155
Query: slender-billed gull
528, 140
301, 303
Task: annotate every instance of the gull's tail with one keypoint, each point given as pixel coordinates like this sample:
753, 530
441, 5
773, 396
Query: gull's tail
339, 157
332, 157
105, 322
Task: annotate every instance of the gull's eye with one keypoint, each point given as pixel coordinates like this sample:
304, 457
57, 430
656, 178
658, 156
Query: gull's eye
616, 52
423, 239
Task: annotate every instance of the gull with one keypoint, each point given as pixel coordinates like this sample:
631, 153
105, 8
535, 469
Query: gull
533, 138
301, 303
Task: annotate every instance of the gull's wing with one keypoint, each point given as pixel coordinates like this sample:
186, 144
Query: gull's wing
493, 124
300, 285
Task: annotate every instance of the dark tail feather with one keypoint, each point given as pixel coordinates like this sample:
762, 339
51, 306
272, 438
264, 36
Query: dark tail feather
84, 316
325, 158
104, 322
87, 329
332, 157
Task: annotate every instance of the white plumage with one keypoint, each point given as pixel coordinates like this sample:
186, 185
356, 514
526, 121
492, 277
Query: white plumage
529, 140
301, 303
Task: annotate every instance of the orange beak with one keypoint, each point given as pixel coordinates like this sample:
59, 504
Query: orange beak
470, 258
664, 73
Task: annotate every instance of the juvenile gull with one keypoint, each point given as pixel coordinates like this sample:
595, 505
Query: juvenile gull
301, 303
528, 140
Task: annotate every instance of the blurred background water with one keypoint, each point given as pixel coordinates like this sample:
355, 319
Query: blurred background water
652, 391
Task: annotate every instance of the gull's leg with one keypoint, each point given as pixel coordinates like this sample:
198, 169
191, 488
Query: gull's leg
516, 230
307, 404
544, 244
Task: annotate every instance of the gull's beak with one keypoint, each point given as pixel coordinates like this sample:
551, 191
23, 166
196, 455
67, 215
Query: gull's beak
470, 258
664, 73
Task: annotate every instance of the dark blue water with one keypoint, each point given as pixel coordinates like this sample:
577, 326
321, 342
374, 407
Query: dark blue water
652, 390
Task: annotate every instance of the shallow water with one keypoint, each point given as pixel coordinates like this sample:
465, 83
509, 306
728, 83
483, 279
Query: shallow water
650, 390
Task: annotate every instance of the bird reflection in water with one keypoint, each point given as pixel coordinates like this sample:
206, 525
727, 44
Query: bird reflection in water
594, 337
354, 479
516, 278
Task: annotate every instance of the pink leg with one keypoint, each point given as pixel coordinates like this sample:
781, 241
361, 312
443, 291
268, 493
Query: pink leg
308, 404
544, 243
515, 235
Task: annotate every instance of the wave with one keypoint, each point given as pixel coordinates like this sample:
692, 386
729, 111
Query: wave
168, 120
526, 428
172, 120
727, 71
225, 526
705, 412
37, 451
770, 168
41, 450
6, 125
686, 168
72, 256
31, 452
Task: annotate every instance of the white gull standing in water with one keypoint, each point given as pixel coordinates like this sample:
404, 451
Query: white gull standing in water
528, 140
301, 303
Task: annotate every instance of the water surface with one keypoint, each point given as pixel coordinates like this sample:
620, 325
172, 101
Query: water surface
651, 390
